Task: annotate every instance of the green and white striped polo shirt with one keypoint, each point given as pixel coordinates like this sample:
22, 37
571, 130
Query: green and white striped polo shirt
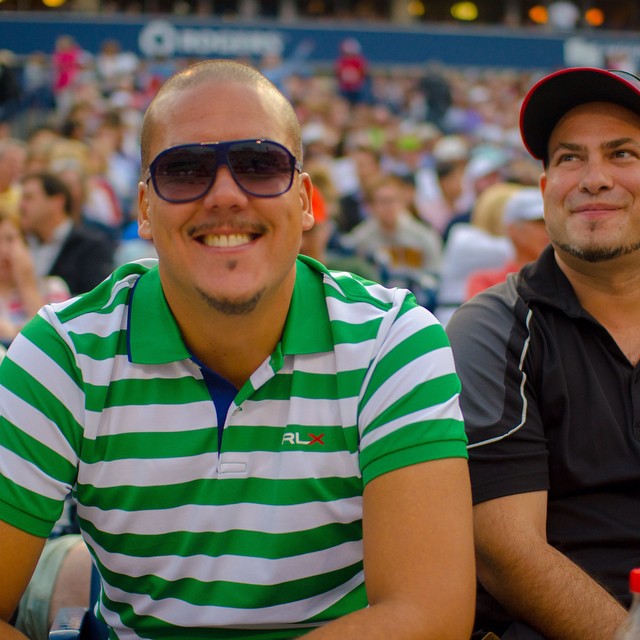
262, 539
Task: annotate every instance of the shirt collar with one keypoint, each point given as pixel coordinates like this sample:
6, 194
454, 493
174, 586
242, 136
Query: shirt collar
544, 282
307, 329
62, 231
154, 336
58, 236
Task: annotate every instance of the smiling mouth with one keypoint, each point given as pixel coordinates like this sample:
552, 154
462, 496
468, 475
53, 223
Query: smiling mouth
227, 240
596, 208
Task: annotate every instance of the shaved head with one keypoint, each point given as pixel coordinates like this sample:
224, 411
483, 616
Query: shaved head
215, 72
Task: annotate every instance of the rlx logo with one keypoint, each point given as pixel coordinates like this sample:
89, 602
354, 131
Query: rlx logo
292, 437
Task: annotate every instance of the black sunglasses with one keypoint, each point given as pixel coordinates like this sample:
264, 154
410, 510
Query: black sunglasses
185, 173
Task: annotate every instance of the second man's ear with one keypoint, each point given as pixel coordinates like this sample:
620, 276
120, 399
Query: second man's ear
144, 224
306, 191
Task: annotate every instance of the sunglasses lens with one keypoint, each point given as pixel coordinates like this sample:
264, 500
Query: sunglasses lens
184, 174
261, 168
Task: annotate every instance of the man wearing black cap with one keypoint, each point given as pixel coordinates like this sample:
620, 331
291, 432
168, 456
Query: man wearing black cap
549, 363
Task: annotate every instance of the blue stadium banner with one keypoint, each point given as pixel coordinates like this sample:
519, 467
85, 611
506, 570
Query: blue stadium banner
384, 46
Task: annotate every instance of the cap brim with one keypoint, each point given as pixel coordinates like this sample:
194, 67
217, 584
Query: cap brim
550, 98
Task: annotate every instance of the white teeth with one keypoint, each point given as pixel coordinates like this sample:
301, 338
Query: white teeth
234, 240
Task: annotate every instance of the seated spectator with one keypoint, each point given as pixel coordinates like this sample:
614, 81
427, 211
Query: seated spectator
488, 209
80, 256
470, 247
487, 166
353, 175
406, 250
12, 161
523, 223
259, 447
22, 293
443, 192
10, 86
37, 94
549, 364
94, 202
113, 64
392, 235
40, 143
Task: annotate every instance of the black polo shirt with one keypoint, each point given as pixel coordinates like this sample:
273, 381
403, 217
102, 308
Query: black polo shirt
551, 403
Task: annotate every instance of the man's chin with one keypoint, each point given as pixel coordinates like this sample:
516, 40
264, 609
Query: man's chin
231, 306
595, 253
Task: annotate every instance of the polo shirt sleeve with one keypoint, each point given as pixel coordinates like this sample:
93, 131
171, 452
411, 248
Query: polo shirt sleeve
409, 411
40, 403
491, 340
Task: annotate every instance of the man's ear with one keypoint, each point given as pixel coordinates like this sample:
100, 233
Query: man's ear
542, 181
144, 224
306, 190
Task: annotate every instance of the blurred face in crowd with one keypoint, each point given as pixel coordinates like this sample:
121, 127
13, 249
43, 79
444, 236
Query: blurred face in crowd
386, 203
38, 211
591, 186
228, 248
10, 236
34, 206
529, 237
12, 162
366, 164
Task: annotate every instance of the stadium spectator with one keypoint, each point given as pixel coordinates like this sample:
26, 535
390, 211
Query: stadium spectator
78, 255
523, 224
352, 72
13, 156
22, 293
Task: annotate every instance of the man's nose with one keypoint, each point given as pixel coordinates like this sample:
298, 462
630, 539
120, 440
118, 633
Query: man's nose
595, 176
224, 190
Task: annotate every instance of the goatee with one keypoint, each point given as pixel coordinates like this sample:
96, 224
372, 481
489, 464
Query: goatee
231, 307
597, 254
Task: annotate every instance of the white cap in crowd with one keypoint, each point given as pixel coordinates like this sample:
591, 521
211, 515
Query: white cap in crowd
524, 205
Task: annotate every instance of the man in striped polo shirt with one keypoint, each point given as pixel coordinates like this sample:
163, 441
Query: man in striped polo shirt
247, 435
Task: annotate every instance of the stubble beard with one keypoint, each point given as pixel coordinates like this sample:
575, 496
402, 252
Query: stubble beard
230, 307
595, 253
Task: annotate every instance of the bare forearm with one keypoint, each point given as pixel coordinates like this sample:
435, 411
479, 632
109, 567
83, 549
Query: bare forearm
418, 557
7, 632
384, 622
553, 595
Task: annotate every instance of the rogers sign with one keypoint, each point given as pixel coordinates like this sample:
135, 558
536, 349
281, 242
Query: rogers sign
160, 38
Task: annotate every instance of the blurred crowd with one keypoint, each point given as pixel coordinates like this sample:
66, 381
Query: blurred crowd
413, 171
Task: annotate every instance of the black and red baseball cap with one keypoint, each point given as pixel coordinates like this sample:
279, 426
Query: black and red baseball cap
552, 96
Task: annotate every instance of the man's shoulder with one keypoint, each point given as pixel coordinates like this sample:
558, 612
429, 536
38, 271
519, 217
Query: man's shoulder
354, 299
83, 234
88, 328
109, 294
362, 310
492, 307
539, 286
410, 222
362, 230
354, 288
